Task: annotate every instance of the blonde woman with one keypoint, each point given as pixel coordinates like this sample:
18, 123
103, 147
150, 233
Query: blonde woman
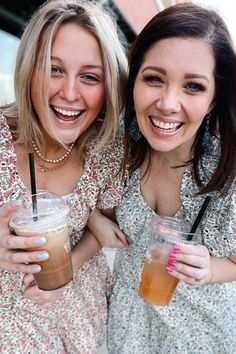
69, 78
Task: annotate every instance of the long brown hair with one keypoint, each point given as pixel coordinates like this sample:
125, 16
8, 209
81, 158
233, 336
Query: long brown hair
190, 20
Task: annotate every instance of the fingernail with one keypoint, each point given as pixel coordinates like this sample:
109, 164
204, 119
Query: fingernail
17, 203
176, 248
169, 269
128, 242
43, 255
171, 255
171, 263
41, 240
36, 268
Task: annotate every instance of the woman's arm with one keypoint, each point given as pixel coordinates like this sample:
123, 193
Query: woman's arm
223, 269
86, 248
104, 227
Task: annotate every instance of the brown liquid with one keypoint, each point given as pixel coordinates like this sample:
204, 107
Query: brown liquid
57, 271
157, 285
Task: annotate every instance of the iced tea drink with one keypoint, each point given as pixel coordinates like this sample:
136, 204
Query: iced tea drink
157, 285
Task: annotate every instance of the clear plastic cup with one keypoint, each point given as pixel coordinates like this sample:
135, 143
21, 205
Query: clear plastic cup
51, 213
157, 285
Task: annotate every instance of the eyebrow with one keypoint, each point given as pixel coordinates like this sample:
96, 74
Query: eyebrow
88, 66
186, 76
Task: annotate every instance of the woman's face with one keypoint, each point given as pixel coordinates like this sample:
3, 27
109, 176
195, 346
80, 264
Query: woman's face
76, 87
173, 91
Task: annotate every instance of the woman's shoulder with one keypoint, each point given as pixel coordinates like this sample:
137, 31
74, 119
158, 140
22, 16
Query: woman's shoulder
111, 153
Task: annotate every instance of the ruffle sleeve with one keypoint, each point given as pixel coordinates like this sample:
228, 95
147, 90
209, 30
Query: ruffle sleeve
100, 185
218, 225
9, 183
107, 174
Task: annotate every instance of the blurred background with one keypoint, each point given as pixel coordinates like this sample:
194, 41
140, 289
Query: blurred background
14, 15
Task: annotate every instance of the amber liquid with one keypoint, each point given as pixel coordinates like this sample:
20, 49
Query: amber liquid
157, 285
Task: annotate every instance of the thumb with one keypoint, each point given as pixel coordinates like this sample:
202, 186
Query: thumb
29, 280
7, 209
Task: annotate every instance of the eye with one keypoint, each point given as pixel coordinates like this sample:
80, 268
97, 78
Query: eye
194, 87
55, 70
90, 78
153, 80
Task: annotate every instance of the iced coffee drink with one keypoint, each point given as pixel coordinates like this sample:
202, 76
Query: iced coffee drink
51, 222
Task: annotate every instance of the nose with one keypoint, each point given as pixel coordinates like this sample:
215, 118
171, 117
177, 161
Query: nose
169, 101
70, 91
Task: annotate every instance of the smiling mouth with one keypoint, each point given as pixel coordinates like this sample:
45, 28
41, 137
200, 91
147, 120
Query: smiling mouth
166, 127
67, 115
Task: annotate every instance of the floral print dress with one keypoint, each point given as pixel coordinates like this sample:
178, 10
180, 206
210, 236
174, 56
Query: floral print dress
76, 322
198, 320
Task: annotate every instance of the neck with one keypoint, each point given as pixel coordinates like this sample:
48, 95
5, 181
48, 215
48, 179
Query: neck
172, 158
45, 159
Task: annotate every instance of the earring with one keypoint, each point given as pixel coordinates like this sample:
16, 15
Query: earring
207, 119
134, 131
101, 115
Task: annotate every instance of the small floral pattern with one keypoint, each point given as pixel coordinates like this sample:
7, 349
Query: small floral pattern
198, 320
76, 322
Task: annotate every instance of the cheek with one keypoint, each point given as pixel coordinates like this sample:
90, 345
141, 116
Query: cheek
144, 97
136, 97
96, 98
54, 87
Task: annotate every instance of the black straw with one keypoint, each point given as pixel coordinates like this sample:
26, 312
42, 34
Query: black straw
33, 186
199, 218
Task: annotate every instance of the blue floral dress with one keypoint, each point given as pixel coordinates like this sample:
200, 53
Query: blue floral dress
198, 320
76, 322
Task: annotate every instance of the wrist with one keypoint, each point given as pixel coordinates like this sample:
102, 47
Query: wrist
209, 279
76, 261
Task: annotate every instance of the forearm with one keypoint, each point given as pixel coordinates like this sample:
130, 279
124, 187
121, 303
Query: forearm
223, 270
86, 248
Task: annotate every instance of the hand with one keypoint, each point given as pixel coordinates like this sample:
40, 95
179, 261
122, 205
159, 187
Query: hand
11, 256
44, 298
112, 236
107, 232
190, 263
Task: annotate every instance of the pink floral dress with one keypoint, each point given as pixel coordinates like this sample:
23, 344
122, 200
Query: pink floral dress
75, 323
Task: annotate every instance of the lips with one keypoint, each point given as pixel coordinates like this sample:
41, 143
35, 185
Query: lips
67, 115
166, 126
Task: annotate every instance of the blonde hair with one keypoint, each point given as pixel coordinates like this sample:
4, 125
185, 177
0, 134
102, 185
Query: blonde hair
35, 47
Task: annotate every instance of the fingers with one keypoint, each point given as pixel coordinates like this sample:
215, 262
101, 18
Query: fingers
189, 263
29, 280
190, 275
22, 242
122, 237
44, 298
25, 257
25, 268
7, 210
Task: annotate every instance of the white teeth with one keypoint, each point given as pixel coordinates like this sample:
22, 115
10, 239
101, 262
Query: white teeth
66, 113
167, 126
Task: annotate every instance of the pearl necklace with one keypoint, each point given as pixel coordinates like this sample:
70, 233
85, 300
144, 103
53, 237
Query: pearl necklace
59, 160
